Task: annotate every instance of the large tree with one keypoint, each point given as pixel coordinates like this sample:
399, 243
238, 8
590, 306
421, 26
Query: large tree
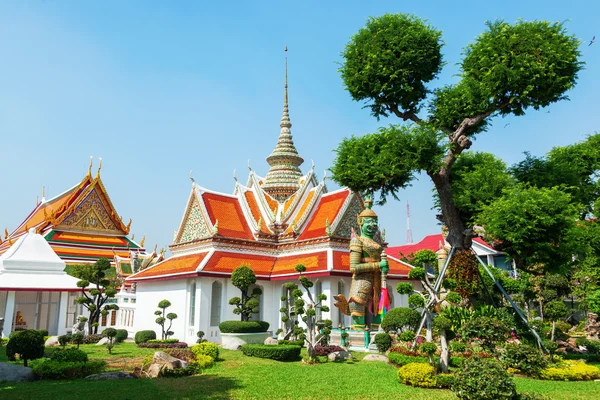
507, 70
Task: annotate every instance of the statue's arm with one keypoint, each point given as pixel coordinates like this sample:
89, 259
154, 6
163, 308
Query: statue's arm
357, 267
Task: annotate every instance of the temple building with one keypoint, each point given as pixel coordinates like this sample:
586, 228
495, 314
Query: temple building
79, 226
271, 224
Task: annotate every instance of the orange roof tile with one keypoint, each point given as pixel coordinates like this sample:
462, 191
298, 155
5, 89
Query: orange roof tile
271, 202
328, 208
289, 202
302, 210
398, 267
312, 261
255, 210
226, 262
173, 265
227, 210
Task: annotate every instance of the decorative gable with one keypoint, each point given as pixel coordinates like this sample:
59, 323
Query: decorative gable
194, 226
91, 214
348, 220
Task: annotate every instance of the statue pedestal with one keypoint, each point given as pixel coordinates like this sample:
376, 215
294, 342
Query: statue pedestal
356, 339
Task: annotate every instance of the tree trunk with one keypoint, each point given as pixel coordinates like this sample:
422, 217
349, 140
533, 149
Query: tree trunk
444, 356
553, 329
429, 323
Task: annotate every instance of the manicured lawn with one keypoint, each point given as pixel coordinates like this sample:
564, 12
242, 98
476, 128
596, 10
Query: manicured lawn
240, 377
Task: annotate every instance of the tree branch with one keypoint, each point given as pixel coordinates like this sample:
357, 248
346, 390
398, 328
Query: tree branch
404, 115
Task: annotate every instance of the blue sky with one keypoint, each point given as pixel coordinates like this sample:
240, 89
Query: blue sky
161, 88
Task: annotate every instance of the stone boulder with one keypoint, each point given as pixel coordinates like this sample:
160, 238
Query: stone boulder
102, 341
162, 360
375, 357
52, 341
592, 327
16, 373
271, 340
111, 376
339, 356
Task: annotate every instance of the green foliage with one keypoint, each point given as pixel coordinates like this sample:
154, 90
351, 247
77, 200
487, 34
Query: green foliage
64, 340
243, 326
489, 330
163, 316
192, 368
425, 259
571, 371
121, 335
400, 319
165, 341
483, 379
54, 369
428, 348
390, 60
442, 323
402, 359
592, 346
404, 288
144, 336
527, 359
407, 336
418, 375
279, 352
444, 381
556, 310
417, 274
28, 344
458, 347
383, 341
453, 298
93, 338
530, 223
204, 361
200, 335
110, 333
76, 338
72, 355
207, 349
242, 278
416, 300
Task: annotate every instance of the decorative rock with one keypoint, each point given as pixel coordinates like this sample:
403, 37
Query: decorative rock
592, 327
271, 340
339, 356
52, 341
375, 357
162, 360
16, 373
102, 341
111, 376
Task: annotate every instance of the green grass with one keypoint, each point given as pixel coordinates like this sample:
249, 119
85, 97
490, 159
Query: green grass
241, 377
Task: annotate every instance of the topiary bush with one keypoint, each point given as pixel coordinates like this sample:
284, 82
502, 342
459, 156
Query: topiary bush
299, 342
110, 333
44, 332
122, 334
200, 335
204, 361
383, 341
444, 381
526, 359
72, 355
144, 336
418, 375
483, 379
571, 370
76, 339
28, 344
407, 336
52, 369
243, 326
400, 319
64, 340
489, 330
207, 349
280, 353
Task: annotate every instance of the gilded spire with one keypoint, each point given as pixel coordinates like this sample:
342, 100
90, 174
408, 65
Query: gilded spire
283, 178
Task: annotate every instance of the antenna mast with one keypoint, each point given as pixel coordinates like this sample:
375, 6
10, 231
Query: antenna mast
408, 231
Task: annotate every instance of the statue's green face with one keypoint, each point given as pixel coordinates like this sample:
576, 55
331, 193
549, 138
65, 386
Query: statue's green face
369, 226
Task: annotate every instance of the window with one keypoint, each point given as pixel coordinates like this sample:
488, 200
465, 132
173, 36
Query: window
192, 303
113, 318
103, 322
215, 304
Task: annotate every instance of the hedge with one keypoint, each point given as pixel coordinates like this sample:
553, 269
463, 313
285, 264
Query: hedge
121, 335
278, 352
52, 369
401, 359
243, 326
179, 345
144, 336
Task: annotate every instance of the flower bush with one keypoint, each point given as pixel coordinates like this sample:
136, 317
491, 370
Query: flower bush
417, 374
483, 379
571, 371
326, 350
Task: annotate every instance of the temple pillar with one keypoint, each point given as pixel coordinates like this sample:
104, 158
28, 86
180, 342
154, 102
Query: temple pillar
9, 314
63, 306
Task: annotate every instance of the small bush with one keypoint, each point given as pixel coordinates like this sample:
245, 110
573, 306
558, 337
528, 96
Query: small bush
206, 349
64, 340
76, 339
483, 379
458, 347
243, 326
43, 332
72, 355
280, 353
592, 346
323, 351
200, 335
122, 334
383, 341
163, 341
299, 342
571, 371
144, 336
401, 359
399, 319
418, 375
407, 336
29, 344
444, 381
182, 354
92, 339
191, 369
179, 345
525, 358
52, 369
204, 361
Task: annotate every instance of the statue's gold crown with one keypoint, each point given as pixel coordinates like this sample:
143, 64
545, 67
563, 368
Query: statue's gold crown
367, 212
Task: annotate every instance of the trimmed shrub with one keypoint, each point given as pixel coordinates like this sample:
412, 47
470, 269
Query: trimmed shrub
121, 335
92, 339
144, 336
44, 332
458, 347
163, 341
76, 339
571, 371
444, 381
400, 318
28, 344
243, 326
418, 375
326, 350
179, 345
71, 355
407, 336
383, 341
204, 361
280, 353
489, 330
299, 342
483, 379
182, 354
401, 359
206, 349
52, 369
200, 335
64, 340
524, 358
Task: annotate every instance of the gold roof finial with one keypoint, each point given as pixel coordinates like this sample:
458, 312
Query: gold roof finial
43, 192
133, 236
5, 233
90, 168
99, 168
143, 240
